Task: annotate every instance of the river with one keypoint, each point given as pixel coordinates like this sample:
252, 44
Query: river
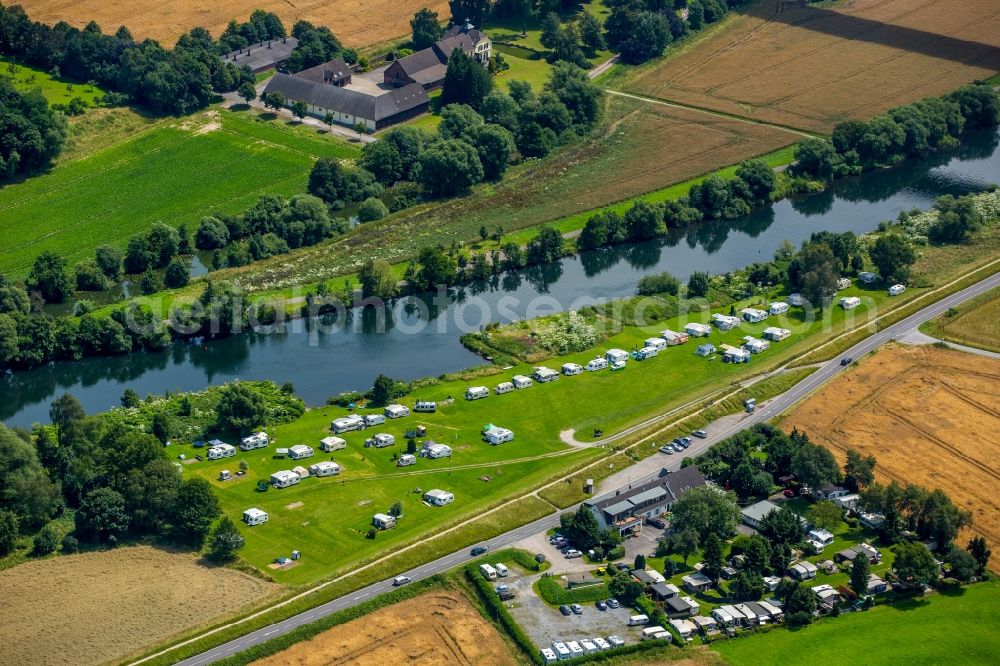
422, 337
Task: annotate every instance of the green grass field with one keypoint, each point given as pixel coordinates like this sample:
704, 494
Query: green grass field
55, 90
975, 323
218, 161
959, 628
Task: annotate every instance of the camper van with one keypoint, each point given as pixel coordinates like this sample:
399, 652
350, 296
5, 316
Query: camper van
501, 570
659, 344
285, 478
896, 289
636, 620
570, 369
504, 387
496, 435
521, 381
544, 375
383, 521
425, 406
778, 308
374, 419
396, 411
613, 355
406, 460
753, 315
697, 330
221, 451
254, 517
380, 441
300, 451
850, 302
776, 334
256, 441
476, 392
597, 364
489, 573
324, 468
331, 444
646, 352
347, 424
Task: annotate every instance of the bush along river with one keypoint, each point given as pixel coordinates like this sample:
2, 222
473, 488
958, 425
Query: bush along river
420, 336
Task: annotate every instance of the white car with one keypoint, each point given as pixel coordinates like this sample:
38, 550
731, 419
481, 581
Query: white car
617, 365
573, 553
401, 580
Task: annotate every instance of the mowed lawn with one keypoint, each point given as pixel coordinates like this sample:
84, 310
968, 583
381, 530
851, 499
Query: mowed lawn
958, 628
214, 162
55, 90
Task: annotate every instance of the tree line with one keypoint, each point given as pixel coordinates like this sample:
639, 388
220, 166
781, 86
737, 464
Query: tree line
33, 133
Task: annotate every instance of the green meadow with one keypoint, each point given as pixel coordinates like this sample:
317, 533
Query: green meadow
55, 89
215, 162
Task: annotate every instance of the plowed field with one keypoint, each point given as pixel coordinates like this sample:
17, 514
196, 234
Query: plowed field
930, 416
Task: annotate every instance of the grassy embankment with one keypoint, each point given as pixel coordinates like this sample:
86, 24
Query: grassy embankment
975, 323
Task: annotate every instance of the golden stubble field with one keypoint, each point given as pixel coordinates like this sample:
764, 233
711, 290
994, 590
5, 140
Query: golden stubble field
810, 67
439, 627
930, 416
355, 22
98, 607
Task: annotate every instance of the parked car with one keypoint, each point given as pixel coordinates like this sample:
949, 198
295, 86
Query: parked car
657, 523
788, 492
577, 609
479, 550
668, 449
401, 580
601, 606
564, 609
613, 603
506, 595
700, 434
573, 553
685, 441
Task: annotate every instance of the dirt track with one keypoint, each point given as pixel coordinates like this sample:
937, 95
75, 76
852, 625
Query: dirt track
930, 416
354, 22
434, 628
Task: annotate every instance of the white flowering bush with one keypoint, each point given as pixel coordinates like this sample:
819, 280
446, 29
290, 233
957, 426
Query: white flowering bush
565, 333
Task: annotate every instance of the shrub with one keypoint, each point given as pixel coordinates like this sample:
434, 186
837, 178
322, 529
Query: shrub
372, 209
46, 541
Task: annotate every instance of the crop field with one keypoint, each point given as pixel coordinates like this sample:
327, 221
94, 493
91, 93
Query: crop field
976, 323
56, 91
435, 628
810, 67
930, 630
97, 607
355, 22
217, 161
930, 416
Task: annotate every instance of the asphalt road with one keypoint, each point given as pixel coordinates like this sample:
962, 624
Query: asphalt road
776, 406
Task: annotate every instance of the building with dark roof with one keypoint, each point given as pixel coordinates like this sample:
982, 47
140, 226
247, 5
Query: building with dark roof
625, 510
427, 67
336, 72
263, 56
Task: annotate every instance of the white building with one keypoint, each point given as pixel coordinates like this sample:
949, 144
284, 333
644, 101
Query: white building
254, 517
753, 514
396, 411
285, 478
438, 497
324, 468
300, 451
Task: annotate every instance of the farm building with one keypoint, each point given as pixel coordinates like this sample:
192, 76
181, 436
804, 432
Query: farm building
725, 322
383, 521
285, 478
775, 334
777, 308
625, 510
570, 369
850, 302
697, 330
753, 514
347, 424
544, 375
331, 444
396, 411
804, 570
262, 56
438, 497
254, 517
706, 349
497, 435
255, 441
433, 450
755, 345
696, 582
673, 337
427, 67
324, 468
300, 451
753, 315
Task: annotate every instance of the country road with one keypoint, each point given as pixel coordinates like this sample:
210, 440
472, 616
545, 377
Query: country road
776, 406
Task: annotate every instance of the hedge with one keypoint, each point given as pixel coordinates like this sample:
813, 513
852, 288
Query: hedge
500, 614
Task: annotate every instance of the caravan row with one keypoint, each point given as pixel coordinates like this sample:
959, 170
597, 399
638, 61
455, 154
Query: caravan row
287, 477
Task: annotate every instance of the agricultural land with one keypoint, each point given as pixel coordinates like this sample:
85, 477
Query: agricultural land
810, 67
93, 607
930, 416
355, 22
976, 323
929, 630
434, 628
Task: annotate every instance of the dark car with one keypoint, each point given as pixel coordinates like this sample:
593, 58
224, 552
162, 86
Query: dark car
602, 606
700, 434
788, 492
847, 360
479, 550
657, 523
564, 609
685, 441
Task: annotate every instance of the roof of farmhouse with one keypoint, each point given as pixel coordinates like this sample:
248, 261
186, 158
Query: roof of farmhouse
345, 100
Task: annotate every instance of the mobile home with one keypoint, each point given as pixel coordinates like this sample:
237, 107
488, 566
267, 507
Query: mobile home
255, 441
673, 337
489, 573
285, 478
502, 570
438, 497
383, 521
504, 387
562, 652
425, 406
300, 451
380, 441
221, 451
725, 322
575, 649
597, 364
570, 369
659, 344
735, 355
548, 656
796, 299
778, 308
396, 411
776, 334
406, 460
496, 435
850, 302
753, 315
636, 620
613, 355
254, 517
433, 450
374, 419
843, 283
324, 468
301, 471
521, 381
755, 345
331, 444
896, 289
347, 424
655, 633
706, 349
697, 330
476, 392
646, 352
545, 375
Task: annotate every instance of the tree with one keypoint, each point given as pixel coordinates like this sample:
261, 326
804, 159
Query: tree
177, 274
915, 564
225, 542
50, 278
273, 100
449, 167
957, 219
860, 569
149, 281
33, 133
590, 32
247, 92
624, 588
981, 552
712, 557
760, 180
546, 247
892, 255
25, 486
409, 143
581, 528
101, 517
496, 147
814, 272
426, 28
436, 268
825, 514
195, 509
964, 566
396, 509
47, 540
382, 391
781, 526
698, 285
12, 297
859, 471
459, 121
300, 110
9, 530
748, 586
639, 563
816, 158
377, 279
372, 209
644, 221
706, 511
211, 234
757, 552
383, 160
465, 81
800, 606
241, 408
815, 466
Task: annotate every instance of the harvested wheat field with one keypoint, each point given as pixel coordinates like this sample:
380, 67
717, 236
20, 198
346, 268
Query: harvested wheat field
97, 607
433, 628
810, 66
930, 416
355, 22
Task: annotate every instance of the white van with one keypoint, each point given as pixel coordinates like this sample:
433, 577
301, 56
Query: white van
476, 392
597, 364
489, 573
501, 570
374, 419
521, 381
504, 387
